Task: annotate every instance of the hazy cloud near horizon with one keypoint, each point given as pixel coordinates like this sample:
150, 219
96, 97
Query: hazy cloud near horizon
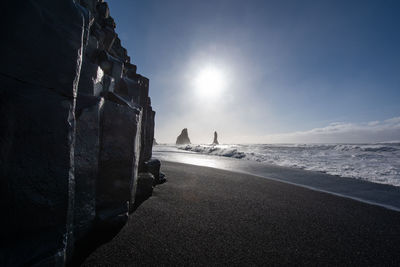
338, 132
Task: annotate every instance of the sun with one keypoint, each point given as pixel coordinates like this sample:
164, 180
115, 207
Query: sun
210, 82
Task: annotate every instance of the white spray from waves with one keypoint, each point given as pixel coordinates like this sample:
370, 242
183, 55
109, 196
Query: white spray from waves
378, 163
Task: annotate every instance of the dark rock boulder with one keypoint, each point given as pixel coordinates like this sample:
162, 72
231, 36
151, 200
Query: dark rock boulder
183, 138
153, 166
215, 142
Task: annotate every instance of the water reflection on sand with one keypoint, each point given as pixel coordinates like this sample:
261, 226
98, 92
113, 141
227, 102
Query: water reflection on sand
377, 194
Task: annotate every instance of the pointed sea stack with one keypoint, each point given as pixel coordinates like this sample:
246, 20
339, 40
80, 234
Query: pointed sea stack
183, 138
215, 142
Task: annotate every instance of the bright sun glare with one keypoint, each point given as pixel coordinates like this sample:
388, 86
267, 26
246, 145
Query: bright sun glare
210, 82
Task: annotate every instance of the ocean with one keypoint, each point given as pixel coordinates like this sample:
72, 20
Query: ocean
376, 163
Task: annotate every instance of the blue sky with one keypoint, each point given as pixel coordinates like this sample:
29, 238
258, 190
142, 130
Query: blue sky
287, 67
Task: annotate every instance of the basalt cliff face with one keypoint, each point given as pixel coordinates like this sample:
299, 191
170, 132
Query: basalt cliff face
77, 130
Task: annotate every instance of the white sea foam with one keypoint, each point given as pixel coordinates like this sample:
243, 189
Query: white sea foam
378, 163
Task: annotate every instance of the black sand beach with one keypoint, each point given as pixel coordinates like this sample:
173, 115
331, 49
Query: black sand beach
205, 216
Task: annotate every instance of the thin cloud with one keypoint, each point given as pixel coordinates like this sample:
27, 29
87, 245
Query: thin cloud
341, 132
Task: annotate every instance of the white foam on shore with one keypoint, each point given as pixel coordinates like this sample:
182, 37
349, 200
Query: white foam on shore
377, 163
386, 196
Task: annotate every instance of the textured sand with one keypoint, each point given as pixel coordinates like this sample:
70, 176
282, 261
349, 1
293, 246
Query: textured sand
204, 216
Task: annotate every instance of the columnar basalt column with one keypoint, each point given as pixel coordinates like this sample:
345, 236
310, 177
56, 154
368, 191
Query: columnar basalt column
77, 126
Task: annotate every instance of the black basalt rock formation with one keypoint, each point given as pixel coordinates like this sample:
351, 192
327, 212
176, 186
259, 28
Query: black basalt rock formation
215, 142
77, 129
153, 166
183, 138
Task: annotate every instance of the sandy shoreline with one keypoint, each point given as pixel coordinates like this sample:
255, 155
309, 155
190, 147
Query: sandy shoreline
383, 195
205, 216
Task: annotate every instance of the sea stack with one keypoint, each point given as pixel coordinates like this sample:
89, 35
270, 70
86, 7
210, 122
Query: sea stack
215, 142
183, 138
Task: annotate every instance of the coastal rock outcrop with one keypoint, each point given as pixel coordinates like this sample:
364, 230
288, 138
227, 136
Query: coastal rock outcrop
77, 130
153, 166
183, 138
215, 142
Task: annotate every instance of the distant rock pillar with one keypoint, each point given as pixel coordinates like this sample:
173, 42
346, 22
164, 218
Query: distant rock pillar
183, 138
215, 142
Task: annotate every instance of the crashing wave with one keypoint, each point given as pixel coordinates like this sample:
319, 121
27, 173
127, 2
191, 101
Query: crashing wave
368, 148
377, 163
215, 150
